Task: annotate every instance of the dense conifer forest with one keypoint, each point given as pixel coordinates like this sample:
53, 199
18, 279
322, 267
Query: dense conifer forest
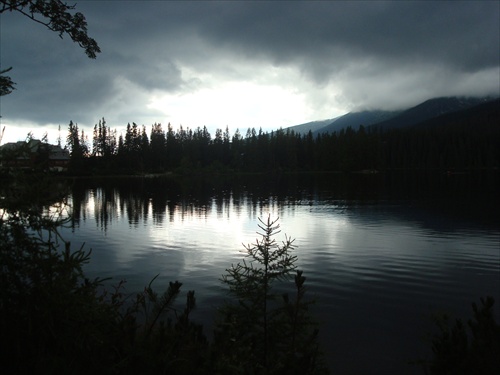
458, 141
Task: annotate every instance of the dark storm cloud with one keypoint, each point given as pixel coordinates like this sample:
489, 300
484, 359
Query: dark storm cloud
330, 36
374, 53
381, 54
461, 34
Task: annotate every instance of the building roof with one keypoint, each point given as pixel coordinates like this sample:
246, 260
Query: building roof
33, 146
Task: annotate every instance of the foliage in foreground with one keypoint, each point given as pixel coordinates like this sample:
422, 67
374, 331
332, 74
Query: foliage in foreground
55, 320
472, 348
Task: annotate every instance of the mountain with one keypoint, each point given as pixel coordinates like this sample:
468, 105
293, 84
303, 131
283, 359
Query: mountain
483, 118
387, 120
313, 126
428, 110
355, 119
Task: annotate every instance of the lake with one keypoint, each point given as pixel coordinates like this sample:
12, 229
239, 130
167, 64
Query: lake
381, 252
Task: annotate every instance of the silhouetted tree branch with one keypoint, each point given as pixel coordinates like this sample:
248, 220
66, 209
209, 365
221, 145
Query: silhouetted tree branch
6, 84
56, 16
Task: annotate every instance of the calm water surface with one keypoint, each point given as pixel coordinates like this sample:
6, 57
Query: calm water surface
380, 252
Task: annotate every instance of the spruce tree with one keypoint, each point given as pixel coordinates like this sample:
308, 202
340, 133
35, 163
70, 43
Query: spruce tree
263, 331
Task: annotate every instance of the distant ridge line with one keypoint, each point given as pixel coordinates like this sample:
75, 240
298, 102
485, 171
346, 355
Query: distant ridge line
386, 120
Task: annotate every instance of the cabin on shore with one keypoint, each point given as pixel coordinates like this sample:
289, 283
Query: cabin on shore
34, 154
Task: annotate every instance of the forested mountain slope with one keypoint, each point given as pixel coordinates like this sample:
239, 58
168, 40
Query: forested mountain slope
387, 120
480, 118
429, 109
356, 119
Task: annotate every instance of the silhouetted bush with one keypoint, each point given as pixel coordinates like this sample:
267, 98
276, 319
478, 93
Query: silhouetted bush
472, 348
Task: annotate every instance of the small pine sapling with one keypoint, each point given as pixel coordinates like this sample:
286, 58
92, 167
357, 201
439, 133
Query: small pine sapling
263, 331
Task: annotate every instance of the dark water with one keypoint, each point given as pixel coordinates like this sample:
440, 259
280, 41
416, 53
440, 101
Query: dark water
380, 252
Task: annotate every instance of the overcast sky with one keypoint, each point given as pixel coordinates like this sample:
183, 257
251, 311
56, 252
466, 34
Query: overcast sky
245, 64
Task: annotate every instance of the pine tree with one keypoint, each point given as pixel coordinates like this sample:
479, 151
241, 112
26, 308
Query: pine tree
259, 332
75, 146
